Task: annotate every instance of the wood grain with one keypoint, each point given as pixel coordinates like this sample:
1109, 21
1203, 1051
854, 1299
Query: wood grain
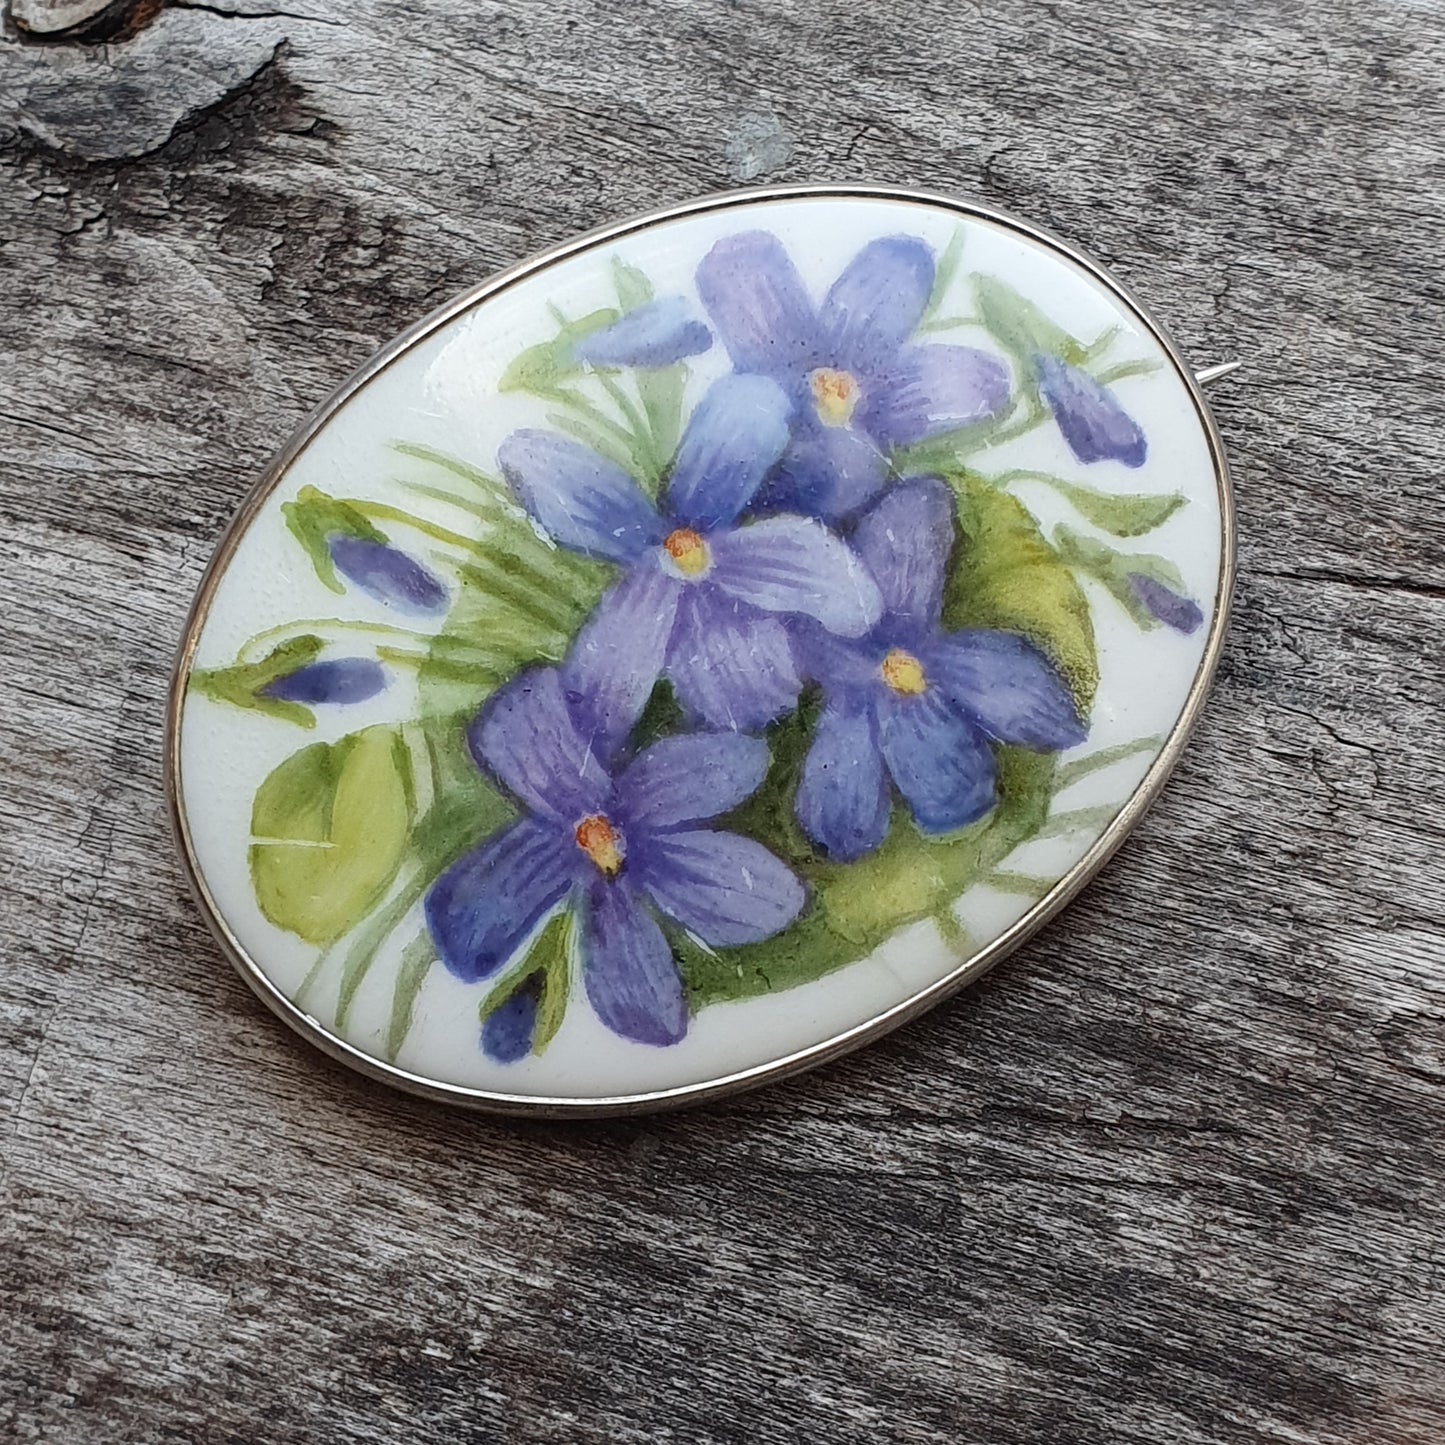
1174, 1174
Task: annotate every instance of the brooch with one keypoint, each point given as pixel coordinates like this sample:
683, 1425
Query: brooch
699, 649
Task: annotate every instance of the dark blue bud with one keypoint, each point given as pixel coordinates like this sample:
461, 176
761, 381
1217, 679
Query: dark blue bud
508, 1030
1088, 414
657, 334
342, 680
386, 573
1164, 603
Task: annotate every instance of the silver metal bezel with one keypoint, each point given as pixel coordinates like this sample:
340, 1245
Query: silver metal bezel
968, 971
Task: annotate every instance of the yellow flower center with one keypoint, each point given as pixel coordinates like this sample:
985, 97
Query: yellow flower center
835, 395
687, 551
902, 672
601, 842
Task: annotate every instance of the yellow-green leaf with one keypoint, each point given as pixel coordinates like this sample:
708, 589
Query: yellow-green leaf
330, 826
1016, 581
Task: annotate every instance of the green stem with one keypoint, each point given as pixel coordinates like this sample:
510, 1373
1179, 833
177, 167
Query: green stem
386, 513
598, 418
257, 643
644, 443
365, 946
465, 470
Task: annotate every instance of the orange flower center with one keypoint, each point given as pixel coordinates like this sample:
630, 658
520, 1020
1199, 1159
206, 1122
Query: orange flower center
902, 672
601, 842
835, 395
687, 551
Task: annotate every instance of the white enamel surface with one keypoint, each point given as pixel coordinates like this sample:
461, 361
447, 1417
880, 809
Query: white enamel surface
442, 392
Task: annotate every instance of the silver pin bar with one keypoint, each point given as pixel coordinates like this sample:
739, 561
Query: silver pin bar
1207, 374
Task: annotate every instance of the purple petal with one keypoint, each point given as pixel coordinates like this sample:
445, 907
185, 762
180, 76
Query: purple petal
826, 471
1093, 423
942, 764
904, 540
578, 497
690, 779
526, 737
657, 334
927, 389
628, 968
1007, 686
794, 564
731, 666
342, 680
874, 306
736, 433
508, 1030
726, 889
842, 799
386, 573
617, 656
481, 909
1170, 607
758, 304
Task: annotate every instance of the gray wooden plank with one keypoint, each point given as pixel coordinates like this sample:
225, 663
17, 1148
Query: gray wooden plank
1172, 1175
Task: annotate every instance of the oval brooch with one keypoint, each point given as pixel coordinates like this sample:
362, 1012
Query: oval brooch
699, 649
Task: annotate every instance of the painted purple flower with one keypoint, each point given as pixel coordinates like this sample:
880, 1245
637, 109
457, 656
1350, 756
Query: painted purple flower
386, 573
507, 1031
341, 680
914, 703
1164, 603
858, 385
655, 334
618, 847
701, 598
1088, 414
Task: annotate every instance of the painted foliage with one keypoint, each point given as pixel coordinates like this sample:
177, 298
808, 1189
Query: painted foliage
721, 677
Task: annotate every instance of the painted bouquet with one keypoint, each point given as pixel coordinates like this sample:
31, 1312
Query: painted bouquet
718, 698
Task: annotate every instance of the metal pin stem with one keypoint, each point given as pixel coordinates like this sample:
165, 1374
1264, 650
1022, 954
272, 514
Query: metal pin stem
1207, 374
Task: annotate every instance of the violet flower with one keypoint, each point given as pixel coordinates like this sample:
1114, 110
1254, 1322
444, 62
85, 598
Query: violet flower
657, 333
340, 680
701, 598
619, 847
1163, 603
1088, 414
914, 703
386, 573
858, 384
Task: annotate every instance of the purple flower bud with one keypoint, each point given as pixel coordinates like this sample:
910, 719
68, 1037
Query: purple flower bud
1171, 608
386, 573
343, 680
656, 334
508, 1030
1088, 414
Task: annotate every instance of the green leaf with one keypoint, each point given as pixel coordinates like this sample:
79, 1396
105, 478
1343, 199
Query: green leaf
943, 274
331, 826
416, 962
1014, 580
1018, 325
1124, 514
540, 369
241, 684
313, 517
632, 286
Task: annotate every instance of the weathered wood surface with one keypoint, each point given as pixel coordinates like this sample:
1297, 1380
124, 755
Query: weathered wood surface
1174, 1174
